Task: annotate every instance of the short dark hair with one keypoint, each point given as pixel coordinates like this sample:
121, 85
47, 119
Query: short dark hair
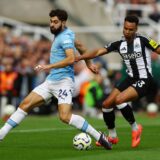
61, 14
132, 19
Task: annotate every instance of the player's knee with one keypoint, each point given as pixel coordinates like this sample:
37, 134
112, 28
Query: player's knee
119, 100
106, 104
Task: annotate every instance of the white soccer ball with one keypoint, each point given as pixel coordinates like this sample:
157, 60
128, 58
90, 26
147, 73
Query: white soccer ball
9, 109
82, 141
152, 109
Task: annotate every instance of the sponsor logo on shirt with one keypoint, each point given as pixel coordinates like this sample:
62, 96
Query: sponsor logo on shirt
137, 45
130, 56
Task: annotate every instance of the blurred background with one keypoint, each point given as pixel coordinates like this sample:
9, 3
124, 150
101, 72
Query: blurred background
25, 41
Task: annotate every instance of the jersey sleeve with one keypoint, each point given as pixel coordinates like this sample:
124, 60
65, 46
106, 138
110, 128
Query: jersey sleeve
67, 42
113, 46
150, 43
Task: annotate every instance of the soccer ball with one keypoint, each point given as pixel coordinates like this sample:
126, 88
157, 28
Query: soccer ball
82, 141
8, 110
152, 109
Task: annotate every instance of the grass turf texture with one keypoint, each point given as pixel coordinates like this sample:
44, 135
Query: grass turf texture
46, 138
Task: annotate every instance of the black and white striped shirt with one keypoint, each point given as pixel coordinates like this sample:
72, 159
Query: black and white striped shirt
136, 55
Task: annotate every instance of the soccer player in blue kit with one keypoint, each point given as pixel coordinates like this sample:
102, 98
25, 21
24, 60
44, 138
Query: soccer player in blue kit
59, 83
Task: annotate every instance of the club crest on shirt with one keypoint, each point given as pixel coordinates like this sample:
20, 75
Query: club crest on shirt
68, 41
137, 45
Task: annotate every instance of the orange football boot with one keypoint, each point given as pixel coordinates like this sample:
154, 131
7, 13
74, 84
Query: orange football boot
136, 136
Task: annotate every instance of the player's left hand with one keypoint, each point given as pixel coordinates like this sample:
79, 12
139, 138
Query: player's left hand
93, 68
42, 67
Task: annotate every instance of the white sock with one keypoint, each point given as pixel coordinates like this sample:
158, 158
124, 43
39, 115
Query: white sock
121, 106
112, 133
4, 130
80, 123
134, 126
12, 122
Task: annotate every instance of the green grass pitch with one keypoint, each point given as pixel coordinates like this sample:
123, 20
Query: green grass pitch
46, 138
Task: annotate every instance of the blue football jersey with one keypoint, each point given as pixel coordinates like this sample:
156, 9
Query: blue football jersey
64, 40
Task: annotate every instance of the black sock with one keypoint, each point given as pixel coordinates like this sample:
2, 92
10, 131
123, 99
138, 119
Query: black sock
109, 119
127, 113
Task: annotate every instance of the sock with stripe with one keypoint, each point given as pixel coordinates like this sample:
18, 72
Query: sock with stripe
12, 122
109, 119
80, 123
127, 113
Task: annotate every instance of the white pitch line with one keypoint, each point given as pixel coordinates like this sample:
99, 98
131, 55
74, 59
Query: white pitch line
46, 129
40, 130
63, 129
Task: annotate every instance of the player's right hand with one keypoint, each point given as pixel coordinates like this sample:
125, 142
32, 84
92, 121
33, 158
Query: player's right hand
42, 67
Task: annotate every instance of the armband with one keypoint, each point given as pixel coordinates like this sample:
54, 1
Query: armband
153, 43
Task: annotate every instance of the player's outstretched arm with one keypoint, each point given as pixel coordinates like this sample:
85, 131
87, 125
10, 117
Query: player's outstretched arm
93, 54
85, 55
82, 49
63, 63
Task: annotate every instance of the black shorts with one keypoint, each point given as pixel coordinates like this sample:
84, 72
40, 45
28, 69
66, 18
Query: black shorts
142, 86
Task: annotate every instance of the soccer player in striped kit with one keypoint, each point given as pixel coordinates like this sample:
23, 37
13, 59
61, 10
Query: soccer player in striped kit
135, 50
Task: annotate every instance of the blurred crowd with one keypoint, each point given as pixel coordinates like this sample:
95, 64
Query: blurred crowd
20, 54
154, 15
